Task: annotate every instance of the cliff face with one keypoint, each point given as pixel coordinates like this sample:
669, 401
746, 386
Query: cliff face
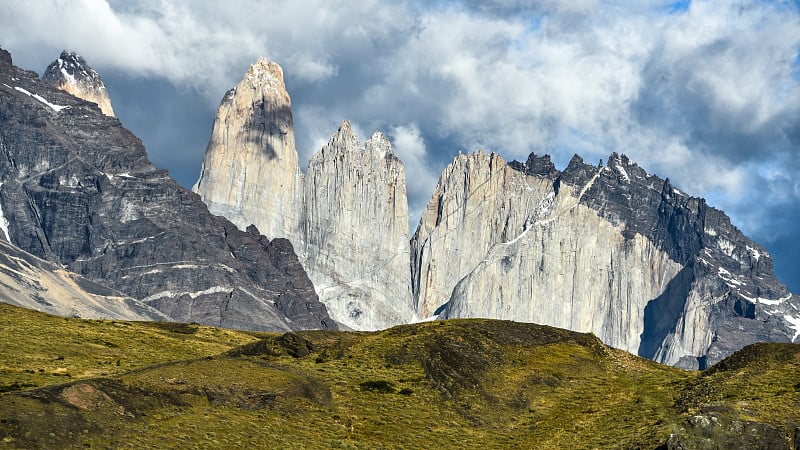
70, 73
78, 190
355, 231
473, 208
347, 217
607, 249
250, 172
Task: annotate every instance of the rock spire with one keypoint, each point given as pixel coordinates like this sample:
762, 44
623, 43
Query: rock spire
347, 217
250, 172
355, 231
77, 189
607, 249
72, 74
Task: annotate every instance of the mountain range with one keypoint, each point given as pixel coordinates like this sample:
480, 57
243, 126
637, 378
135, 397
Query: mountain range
78, 191
607, 248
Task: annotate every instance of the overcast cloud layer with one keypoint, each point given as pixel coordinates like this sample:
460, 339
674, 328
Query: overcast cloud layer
706, 93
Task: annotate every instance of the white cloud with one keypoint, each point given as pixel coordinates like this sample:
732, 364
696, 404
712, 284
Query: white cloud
410, 147
314, 130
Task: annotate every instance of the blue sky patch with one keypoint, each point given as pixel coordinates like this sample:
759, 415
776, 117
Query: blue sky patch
796, 71
533, 24
678, 6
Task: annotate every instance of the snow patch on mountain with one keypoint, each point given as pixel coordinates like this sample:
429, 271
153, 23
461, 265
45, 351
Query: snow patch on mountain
623, 173
171, 294
795, 325
54, 107
4, 221
753, 251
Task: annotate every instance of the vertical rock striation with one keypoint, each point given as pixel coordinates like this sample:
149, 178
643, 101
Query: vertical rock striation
355, 231
473, 208
607, 249
250, 172
347, 217
70, 73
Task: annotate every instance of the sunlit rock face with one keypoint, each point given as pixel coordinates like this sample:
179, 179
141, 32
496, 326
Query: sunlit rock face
347, 217
250, 172
606, 249
355, 231
72, 74
474, 207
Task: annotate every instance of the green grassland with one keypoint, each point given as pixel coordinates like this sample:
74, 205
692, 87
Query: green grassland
452, 384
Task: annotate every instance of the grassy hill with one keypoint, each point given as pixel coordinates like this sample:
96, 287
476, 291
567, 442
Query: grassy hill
453, 384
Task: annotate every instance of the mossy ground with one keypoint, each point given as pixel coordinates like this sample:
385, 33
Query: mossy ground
759, 383
453, 384
40, 350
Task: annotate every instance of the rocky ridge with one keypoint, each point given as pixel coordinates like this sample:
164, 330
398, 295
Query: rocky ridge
347, 217
72, 74
33, 283
606, 249
78, 190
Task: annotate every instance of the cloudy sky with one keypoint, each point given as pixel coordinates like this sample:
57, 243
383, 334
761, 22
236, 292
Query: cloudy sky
706, 93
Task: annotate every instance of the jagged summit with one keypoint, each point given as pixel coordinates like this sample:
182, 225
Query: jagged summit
347, 217
346, 140
265, 73
78, 190
609, 249
379, 145
72, 74
72, 66
627, 196
343, 138
536, 165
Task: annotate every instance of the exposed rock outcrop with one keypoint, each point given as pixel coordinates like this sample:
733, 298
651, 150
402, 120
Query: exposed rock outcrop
250, 172
607, 249
78, 190
5, 58
70, 73
713, 431
355, 231
347, 217
33, 283
473, 208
